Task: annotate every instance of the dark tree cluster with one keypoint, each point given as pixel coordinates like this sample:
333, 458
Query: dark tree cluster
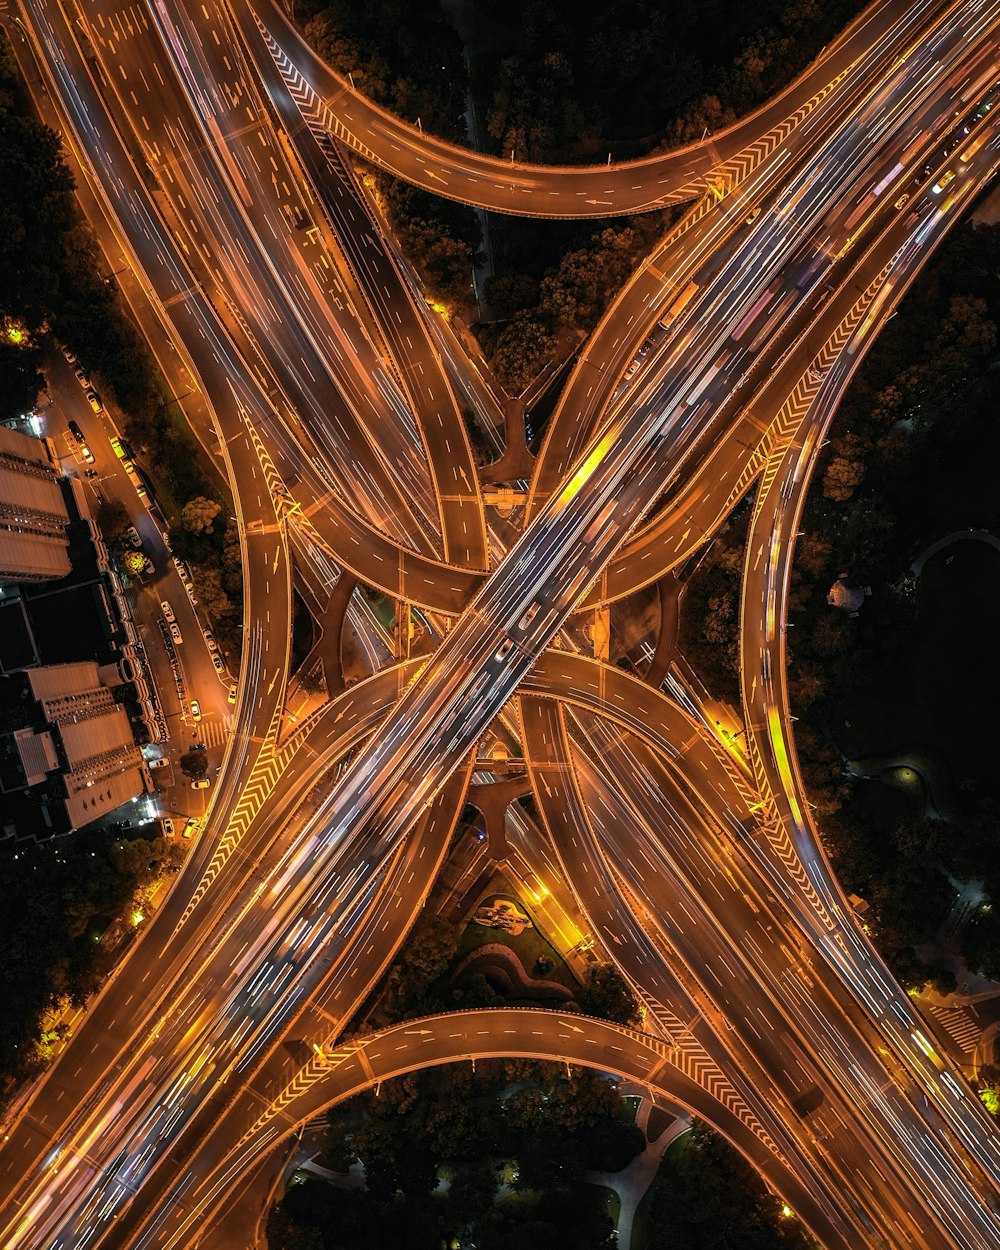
401, 53
710, 610
36, 228
556, 83
707, 1197
56, 901
538, 304
441, 237
910, 459
419, 982
207, 538
529, 1125
573, 81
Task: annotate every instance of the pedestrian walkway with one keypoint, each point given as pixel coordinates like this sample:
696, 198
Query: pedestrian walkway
962, 1028
631, 1183
214, 731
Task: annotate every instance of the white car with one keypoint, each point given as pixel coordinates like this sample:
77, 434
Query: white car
168, 827
134, 537
168, 612
162, 762
175, 632
217, 664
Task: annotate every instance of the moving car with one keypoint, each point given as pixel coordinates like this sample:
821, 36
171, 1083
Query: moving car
195, 710
529, 616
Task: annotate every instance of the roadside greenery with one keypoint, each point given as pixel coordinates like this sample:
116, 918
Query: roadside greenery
558, 84
419, 982
706, 1196
52, 281
571, 83
911, 458
710, 615
547, 304
494, 1157
194, 764
57, 901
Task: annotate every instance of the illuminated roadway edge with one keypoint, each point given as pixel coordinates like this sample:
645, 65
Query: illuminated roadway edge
424, 1061
532, 1033
490, 182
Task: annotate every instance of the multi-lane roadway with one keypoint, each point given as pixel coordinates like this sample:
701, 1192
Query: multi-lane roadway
337, 424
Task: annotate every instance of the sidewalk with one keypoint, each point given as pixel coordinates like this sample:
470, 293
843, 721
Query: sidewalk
631, 1183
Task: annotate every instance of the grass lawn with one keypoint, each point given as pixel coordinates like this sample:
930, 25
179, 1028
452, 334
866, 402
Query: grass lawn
642, 1228
527, 946
630, 1108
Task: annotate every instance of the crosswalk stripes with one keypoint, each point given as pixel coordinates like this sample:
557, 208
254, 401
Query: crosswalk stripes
214, 732
960, 1027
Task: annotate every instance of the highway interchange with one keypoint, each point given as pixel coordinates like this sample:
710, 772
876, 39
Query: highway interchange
200, 136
